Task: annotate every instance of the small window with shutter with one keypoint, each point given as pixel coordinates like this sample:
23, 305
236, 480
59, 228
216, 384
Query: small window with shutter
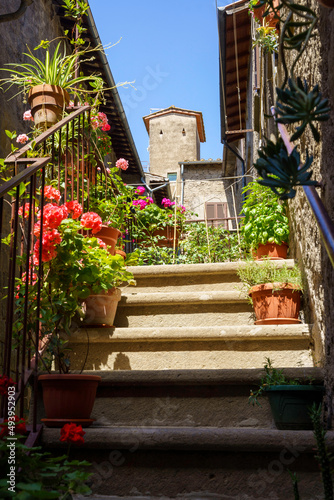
216, 211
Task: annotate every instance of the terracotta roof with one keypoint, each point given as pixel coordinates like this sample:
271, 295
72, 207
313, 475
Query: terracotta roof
180, 111
234, 26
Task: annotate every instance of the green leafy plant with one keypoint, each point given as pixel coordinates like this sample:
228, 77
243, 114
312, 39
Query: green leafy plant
212, 244
272, 376
57, 69
267, 38
282, 172
323, 456
37, 474
112, 199
253, 273
265, 218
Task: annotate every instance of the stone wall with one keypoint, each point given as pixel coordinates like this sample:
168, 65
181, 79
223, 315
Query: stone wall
317, 66
204, 184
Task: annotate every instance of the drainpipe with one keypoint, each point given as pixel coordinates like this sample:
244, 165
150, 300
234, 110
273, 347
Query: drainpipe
182, 183
243, 170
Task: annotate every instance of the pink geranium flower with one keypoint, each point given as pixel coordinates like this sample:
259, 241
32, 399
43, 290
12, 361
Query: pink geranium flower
27, 116
122, 163
166, 203
140, 190
22, 138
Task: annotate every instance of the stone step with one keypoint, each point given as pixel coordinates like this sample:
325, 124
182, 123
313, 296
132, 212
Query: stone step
190, 277
183, 398
194, 313
202, 462
190, 347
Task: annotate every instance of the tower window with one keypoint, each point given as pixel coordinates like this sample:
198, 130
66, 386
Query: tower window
172, 176
161, 132
183, 132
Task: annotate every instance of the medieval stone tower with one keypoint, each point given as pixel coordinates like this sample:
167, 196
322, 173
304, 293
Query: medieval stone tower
175, 136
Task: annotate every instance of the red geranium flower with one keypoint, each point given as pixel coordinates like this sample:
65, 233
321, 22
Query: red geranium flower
19, 428
72, 433
75, 207
90, 220
5, 382
51, 193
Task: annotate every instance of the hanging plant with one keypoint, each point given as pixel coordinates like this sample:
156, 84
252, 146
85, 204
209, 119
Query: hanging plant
283, 172
297, 104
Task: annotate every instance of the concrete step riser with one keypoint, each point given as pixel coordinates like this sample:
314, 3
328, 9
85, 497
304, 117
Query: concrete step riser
189, 355
171, 315
178, 283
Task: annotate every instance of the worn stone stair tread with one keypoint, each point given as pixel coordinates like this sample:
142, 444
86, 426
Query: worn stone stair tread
195, 333
197, 495
194, 438
133, 298
200, 377
190, 269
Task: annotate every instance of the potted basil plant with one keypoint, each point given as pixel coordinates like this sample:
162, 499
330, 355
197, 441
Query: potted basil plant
265, 227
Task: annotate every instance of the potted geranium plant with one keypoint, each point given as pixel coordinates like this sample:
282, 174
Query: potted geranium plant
158, 225
290, 400
265, 227
112, 201
78, 274
275, 292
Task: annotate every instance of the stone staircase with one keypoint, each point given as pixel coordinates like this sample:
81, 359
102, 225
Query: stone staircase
172, 413
188, 317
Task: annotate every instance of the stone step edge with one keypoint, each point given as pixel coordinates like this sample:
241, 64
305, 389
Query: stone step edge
193, 269
191, 298
216, 333
249, 376
193, 438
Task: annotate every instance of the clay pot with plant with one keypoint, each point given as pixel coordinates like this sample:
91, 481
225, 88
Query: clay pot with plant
265, 227
275, 292
49, 83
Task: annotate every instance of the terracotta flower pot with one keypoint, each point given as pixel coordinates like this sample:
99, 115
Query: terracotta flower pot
272, 251
109, 235
270, 19
47, 104
68, 398
121, 253
101, 308
276, 303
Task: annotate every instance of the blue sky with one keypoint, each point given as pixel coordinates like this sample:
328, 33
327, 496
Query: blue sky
170, 49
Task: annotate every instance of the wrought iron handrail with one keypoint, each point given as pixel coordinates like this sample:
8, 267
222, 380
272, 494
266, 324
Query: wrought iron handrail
21, 244
324, 222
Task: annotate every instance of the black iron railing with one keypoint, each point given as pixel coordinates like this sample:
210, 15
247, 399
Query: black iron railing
60, 155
